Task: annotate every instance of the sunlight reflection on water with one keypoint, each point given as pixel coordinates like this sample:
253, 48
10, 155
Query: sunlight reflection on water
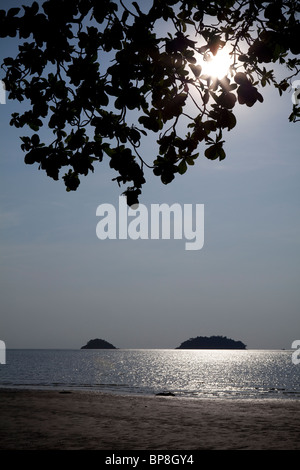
186, 373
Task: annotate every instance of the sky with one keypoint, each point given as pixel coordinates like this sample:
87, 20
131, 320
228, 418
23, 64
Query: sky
61, 286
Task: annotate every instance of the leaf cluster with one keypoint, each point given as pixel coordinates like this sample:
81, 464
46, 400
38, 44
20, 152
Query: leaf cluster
102, 76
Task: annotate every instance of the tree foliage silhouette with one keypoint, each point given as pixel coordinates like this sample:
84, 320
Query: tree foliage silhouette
103, 75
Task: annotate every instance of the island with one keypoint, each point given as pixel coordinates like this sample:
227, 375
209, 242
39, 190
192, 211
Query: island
212, 342
98, 344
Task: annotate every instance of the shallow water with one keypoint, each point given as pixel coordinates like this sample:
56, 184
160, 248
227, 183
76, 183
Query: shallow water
186, 373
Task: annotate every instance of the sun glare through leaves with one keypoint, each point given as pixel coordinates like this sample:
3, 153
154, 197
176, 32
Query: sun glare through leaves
217, 66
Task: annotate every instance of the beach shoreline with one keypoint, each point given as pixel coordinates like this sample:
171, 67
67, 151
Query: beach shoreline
90, 420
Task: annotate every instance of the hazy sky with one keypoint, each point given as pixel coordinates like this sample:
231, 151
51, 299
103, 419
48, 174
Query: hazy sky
61, 285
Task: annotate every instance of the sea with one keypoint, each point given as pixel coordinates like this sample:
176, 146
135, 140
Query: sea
233, 374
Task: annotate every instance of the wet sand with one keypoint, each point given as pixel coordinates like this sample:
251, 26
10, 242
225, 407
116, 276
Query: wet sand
51, 420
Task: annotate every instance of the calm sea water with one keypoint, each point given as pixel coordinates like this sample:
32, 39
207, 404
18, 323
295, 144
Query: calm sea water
186, 373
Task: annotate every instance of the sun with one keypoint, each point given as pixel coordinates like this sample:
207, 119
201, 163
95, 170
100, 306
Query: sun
215, 66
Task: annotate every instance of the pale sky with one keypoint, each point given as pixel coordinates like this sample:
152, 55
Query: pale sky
61, 285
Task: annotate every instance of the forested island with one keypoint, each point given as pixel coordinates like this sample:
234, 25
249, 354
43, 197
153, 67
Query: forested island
98, 344
200, 342
212, 342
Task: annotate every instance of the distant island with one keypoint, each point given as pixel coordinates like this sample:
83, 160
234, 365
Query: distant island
212, 342
98, 344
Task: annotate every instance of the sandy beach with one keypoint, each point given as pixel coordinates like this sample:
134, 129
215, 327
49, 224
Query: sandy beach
34, 419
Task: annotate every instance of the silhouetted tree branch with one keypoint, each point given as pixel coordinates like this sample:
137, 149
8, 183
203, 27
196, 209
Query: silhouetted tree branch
103, 75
